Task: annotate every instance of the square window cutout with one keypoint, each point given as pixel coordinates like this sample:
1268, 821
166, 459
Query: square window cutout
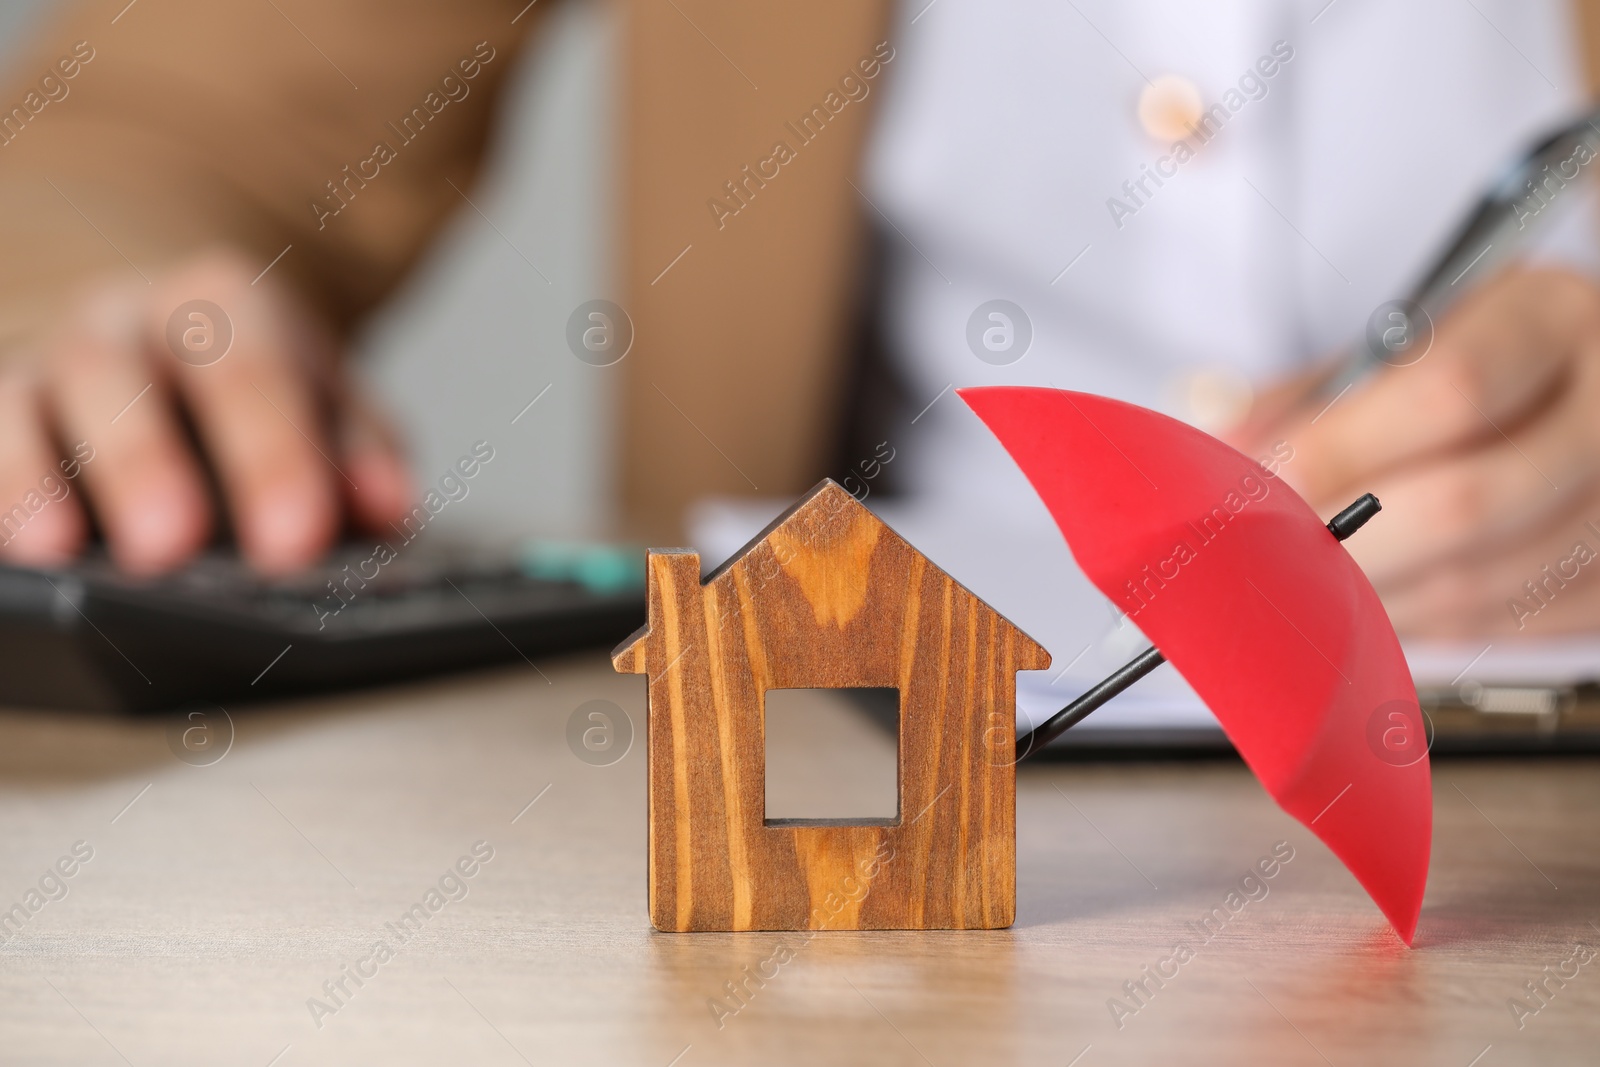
829, 760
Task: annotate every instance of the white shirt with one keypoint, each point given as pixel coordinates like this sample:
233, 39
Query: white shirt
1011, 125
1008, 127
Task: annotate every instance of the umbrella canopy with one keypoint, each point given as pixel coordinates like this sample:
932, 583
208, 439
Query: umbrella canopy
1244, 590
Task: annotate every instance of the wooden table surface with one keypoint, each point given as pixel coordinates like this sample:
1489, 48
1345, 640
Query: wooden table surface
219, 899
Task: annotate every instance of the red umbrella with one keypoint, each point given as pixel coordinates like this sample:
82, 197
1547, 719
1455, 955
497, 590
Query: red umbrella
1239, 584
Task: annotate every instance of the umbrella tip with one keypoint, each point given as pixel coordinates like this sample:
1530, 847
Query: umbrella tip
1354, 517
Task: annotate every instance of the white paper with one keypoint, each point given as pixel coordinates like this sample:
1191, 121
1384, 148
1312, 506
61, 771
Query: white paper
1020, 566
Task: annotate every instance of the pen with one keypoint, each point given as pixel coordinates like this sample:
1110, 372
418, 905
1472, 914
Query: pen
1498, 225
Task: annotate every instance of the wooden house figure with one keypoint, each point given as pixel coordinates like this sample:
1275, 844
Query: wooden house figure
827, 597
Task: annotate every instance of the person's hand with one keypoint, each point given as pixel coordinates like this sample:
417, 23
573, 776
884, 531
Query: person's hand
1485, 454
123, 404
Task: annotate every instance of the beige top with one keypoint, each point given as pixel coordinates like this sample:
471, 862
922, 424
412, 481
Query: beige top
180, 124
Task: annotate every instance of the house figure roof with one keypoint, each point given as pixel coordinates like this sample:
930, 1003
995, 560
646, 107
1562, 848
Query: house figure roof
827, 596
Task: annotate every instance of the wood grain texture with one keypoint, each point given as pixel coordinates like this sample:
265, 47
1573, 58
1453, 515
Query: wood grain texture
205, 920
827, 597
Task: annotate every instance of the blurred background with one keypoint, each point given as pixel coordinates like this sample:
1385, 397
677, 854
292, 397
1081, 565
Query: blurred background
468, 332
995, 171
475, 330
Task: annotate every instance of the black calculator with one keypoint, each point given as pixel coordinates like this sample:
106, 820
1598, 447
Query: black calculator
87, 636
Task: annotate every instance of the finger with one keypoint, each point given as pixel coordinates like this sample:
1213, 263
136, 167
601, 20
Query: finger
372, 455
1277, 406
1490, 499
144, 484
1547, 586
1492, 364
235, 354
41, 523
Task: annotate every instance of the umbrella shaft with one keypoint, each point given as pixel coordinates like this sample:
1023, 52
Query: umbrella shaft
1110, 686
1341, 526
